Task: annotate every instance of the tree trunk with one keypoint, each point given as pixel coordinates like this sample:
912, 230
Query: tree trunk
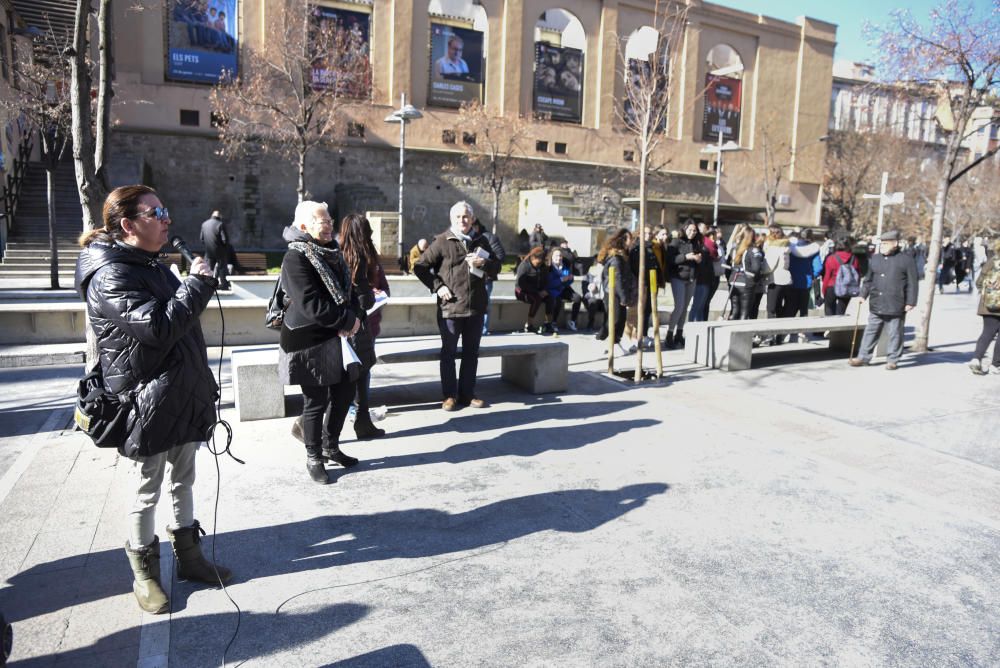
925, 301
496, 208
50, 178
91, 197
104, 93
639, 311
301, 189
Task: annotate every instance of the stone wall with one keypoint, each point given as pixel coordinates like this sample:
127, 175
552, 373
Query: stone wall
256, 194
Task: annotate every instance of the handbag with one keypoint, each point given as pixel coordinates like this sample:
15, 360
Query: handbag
275, 315
99, 414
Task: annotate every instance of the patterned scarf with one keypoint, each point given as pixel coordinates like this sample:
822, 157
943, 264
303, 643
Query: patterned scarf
313, 253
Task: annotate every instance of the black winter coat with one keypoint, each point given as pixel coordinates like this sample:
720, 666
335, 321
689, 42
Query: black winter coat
677, 265
146, 323
310, 346
443, 263
531, 279
890, 284
626, 290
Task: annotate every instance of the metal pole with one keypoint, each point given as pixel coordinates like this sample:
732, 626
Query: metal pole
610, 318
718, 181
881, 203
402, 149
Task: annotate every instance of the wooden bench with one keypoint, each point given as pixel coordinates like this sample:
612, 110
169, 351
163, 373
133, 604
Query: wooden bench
539, 367
254, 264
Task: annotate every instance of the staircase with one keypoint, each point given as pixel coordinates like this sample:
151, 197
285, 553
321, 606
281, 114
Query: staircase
559, 215
27, 253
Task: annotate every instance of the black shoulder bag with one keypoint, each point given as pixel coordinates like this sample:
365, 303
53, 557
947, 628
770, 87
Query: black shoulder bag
99, 414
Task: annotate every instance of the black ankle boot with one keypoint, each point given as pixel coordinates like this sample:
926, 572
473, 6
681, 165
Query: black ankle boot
314, 464
669, 343
335, 454
679, 339
365, 428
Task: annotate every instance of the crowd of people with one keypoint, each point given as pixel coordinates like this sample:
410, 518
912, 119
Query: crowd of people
150, 346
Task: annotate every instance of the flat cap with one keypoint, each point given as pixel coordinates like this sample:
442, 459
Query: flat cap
891, 235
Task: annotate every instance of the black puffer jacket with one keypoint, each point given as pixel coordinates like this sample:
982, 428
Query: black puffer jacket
678, 266
150, 344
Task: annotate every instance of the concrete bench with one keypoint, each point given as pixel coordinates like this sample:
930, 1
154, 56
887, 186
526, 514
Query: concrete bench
728, 344
538, 367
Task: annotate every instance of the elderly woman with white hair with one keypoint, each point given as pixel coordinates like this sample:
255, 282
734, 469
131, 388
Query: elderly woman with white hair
321, 309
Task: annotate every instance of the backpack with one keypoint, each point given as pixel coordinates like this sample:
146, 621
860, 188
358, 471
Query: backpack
101, 415
847, 282
991, 287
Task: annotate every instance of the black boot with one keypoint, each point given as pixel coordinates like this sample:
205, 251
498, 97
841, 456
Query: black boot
679, 338
314, 464
335, 454
365, 428
669, 343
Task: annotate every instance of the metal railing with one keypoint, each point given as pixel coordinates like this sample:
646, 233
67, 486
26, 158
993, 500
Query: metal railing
12, 190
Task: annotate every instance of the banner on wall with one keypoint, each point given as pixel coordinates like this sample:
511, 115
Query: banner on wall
456, 66
202, 40
354, 29
722, 109
558, 89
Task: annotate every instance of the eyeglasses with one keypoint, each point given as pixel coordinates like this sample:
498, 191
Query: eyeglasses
158, 212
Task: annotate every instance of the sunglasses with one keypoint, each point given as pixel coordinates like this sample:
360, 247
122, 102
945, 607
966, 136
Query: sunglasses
158, 212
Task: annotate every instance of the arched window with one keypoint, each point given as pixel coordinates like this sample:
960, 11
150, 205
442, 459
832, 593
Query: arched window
457, 52
646, 79
723, 95
560, 50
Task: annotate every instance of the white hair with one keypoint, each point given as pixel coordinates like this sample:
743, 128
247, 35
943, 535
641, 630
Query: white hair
461, 205
305, 212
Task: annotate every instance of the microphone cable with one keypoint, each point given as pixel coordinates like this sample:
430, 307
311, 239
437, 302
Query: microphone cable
217, 452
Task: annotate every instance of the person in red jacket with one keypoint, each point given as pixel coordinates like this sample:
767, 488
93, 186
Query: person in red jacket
833, 304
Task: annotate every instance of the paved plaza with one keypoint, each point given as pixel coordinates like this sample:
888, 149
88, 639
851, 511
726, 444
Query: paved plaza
800, 513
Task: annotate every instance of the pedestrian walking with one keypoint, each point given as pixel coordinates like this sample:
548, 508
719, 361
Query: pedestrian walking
323, 308
150, 346
988, 284
890, 286
218, 251
454, 267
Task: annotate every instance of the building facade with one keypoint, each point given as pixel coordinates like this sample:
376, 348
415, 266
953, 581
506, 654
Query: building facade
559, 64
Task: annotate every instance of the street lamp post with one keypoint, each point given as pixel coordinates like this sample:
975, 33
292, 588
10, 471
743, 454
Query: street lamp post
403, 115
719, 149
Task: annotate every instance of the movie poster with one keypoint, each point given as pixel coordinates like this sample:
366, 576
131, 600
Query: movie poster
355, 28
638, 74
558, 90
456, 66
722, 109
202, 40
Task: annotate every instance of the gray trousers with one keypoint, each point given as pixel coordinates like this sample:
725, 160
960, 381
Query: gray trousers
148, 475
683, 292
873, 330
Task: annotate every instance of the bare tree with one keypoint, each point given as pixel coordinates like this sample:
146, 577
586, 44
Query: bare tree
42, 98
645, 115
293, 90
493, 143
958, 51
90, 134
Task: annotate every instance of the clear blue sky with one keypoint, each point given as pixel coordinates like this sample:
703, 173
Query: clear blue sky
849, 15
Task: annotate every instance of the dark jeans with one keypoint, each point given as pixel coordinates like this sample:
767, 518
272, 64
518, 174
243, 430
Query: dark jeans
777, 301
534, 301
568, 295
470, 331
699, 305
325, 404
219, 263
621, 312
593, 308
486, 316
797, 300
991, 328
712, 289
834, 305
745, 303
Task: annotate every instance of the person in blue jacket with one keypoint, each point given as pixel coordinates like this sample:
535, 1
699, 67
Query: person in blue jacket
560, 286
804, 265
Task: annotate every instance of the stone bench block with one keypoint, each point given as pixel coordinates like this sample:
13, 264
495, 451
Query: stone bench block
259, 393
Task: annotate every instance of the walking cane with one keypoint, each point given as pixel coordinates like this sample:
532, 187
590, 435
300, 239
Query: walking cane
854, 337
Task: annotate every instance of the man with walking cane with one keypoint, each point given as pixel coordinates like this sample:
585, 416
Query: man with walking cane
891, 288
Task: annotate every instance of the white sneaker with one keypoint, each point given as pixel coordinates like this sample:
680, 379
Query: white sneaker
352, 412
995, 370
378, 413
571, 325
625, 351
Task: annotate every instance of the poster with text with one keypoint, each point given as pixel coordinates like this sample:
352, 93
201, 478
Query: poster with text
456, 66
349, 68
722, 109
558, 89
201, 40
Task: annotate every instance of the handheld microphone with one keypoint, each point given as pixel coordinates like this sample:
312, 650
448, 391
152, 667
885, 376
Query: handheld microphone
182, 248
